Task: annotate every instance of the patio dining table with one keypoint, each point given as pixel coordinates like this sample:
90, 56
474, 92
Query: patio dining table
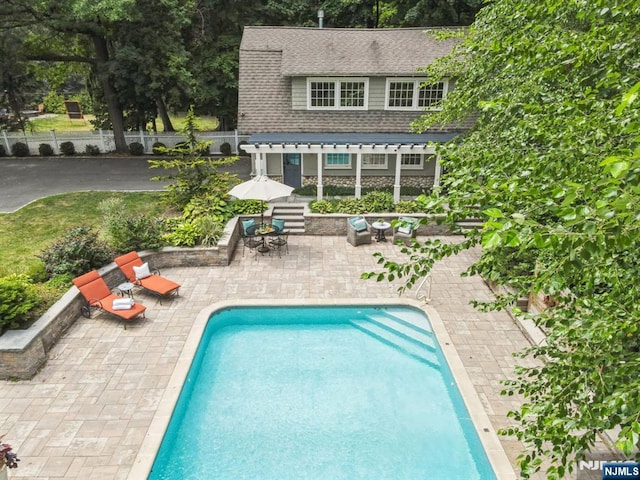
267, 230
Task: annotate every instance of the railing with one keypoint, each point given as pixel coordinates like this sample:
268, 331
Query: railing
104, 140
421, 294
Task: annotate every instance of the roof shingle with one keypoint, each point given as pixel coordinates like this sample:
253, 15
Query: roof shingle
348, 51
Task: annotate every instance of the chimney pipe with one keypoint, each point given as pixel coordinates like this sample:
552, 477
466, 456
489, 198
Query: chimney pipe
320, 18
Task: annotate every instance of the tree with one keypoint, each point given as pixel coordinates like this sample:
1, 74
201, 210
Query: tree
103, 34
552, 166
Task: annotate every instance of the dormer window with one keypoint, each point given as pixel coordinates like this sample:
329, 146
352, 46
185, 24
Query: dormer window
413, 94
337, 93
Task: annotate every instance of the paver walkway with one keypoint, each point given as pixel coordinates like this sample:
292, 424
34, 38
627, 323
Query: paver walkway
85, 415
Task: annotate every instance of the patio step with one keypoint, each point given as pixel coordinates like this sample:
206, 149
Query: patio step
292, 214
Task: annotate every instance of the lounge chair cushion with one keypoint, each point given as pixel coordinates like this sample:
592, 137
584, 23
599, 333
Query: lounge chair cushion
159, 285
141, 271
360, 224
408, 223
277, 224
247, 224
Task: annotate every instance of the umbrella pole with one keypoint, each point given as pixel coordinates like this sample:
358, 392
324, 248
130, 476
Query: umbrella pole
262, 214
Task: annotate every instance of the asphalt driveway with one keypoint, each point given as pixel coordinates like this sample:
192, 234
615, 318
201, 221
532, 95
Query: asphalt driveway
23, 180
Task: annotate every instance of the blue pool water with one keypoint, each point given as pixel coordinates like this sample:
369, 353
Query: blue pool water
320, 393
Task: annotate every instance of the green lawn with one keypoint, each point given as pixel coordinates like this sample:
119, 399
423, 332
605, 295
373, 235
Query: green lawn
61, 123
25, 233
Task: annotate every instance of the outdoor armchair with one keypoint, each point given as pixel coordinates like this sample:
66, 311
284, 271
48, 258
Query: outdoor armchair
358, 231
405, 230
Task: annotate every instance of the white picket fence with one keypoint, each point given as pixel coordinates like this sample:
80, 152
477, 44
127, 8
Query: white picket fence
104, 140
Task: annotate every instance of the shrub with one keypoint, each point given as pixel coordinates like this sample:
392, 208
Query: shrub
225, 148
352, 206
378, 202
307, 191
17, 299
321, 206
130, 232
184, 234
3, 151
20, 149
54, 103
247, 207
68, 148
92, 150
210, 230
158, 148
240, 150
78, 252
136, 148
45, 150
407, 206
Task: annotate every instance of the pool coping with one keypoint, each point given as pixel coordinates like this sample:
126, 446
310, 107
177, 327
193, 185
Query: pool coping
488, 436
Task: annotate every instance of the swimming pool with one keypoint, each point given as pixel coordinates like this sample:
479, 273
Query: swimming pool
324, 392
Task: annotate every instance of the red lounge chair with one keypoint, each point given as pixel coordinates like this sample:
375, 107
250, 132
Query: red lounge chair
153, 282
98, 297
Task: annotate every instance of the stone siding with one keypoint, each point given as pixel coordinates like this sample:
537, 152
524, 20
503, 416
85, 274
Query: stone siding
423, 181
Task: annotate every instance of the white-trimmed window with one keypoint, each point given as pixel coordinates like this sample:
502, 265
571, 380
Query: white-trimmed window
412, 161
374, 160
337, 160
337, 93
414, 94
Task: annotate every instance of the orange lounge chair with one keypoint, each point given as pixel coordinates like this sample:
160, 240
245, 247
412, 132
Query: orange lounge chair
98, 297
153, 282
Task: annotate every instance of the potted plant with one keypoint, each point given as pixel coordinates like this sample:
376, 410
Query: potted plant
8, 459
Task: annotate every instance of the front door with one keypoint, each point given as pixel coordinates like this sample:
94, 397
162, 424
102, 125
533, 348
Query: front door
291, 166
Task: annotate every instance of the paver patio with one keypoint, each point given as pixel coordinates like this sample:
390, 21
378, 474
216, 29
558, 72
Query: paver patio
86, 413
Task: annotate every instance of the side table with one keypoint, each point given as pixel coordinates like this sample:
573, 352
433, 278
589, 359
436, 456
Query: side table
381, 227
126, 288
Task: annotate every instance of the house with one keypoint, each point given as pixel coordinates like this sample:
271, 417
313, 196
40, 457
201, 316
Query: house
334, 106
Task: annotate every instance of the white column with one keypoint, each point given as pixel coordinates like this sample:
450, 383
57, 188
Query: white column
319, 186
396, 182
258, 163
358, 175
437, 172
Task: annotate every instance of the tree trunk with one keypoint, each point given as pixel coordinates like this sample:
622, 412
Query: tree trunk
164, 115
110, 96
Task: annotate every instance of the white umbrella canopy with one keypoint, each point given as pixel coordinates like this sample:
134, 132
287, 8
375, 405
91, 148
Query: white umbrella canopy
262, 188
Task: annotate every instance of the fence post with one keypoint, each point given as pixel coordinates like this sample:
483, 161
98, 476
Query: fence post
102, 141
6, 142
56, 149
235, 142
142, 140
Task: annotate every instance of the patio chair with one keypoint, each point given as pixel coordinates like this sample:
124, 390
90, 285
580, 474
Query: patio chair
138, 272
252, 242
280, 243
97, 296
358, 231
405, 230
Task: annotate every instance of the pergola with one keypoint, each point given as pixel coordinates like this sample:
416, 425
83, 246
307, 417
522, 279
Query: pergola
259, 145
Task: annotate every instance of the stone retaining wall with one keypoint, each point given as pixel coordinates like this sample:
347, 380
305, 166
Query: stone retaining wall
24, 352
336, 223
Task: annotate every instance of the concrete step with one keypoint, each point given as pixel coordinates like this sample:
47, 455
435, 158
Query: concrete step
292, 214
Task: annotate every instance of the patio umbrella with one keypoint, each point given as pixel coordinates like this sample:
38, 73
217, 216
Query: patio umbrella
261, 188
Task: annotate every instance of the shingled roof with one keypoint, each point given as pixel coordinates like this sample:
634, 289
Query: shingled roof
348, 51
